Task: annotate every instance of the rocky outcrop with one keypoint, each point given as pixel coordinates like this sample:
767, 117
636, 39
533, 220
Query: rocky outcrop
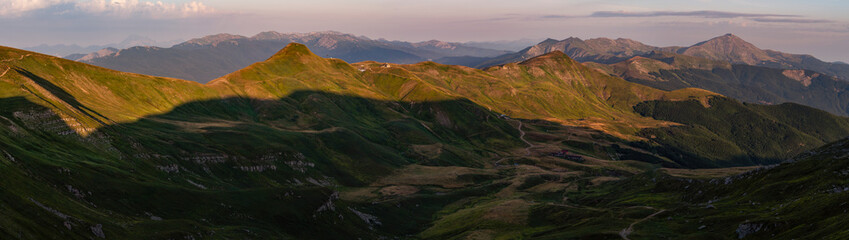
745, 229
799, 75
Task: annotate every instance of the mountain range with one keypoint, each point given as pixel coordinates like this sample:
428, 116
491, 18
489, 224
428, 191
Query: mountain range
75, 51
728, 48
302, 146
726, 64
755, 84
207, 58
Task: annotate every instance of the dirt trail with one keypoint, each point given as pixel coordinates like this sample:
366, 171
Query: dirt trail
9, 60
4, 72
625, 232
521, 137
22, 58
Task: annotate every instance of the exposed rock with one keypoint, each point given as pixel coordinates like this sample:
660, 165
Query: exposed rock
371, 220
77, 193
300, 166
329, 206
323, 182
173, 168
260, 168
201, 186
100, 53
51, 210
748, 228
799, 75
9, 156
206, 158
838, 189
98, 231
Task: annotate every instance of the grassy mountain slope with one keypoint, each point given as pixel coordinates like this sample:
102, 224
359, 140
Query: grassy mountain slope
92, 95
738, 132
804, 198
801, 199
300, 146
209, 166
522, 90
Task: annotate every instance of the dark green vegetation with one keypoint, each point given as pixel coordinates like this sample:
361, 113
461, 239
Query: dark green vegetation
300, 146
210, 57
802, 199
741, 133
230, 167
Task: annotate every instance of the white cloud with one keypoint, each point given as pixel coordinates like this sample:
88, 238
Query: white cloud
14, 8
113, 8
135, 8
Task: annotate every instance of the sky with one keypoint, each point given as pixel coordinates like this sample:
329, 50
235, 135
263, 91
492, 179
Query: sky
817, 27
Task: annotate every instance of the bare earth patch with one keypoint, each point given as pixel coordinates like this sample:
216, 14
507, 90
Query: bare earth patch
446, 177
398, 190
707, 173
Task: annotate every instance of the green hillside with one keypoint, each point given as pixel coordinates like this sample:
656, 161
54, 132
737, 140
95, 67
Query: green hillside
300, 146
745, 134
804, 198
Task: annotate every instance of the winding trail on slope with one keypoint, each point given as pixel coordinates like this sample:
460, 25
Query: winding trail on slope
4, 72
9, 60
625, 232
521, 137
22, 58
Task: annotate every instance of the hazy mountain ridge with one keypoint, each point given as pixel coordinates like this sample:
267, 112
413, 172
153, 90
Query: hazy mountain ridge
754, 84
206, 58
74, 51
506, 45
727, 47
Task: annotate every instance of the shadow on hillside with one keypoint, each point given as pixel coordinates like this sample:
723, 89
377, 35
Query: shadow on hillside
342, 129
277, 161
61, 94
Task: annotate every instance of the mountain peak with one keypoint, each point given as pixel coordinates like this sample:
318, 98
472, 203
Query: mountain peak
555, 56
726, 39
549, 41
572, 40
729, 47
293, 49
268, 35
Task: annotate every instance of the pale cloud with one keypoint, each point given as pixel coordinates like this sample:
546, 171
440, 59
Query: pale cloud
790, 20
112, 8
704, 14
135, 8
756, 17
14, 8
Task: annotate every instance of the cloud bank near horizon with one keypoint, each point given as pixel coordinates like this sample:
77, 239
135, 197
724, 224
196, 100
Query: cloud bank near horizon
111, 8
